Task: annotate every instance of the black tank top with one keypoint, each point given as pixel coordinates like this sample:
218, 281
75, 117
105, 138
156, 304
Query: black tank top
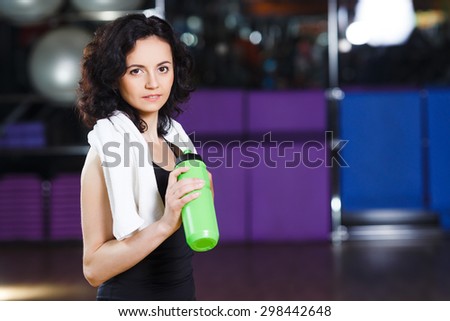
165, 274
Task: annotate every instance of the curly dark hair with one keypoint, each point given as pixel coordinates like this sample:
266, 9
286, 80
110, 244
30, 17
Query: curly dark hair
104, 62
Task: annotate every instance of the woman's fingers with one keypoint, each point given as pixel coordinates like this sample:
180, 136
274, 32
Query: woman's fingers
179, 192
181, 197
187, 185
173, 177
187, 198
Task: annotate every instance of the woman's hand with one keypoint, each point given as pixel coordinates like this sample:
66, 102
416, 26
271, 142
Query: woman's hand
177, 195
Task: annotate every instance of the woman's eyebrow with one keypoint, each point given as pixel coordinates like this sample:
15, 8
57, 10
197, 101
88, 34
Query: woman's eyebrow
135, 65
142, 66
164, 62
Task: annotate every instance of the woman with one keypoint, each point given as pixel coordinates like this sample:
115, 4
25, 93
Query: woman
135, 73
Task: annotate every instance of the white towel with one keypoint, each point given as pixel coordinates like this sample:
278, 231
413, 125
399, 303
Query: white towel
129, 175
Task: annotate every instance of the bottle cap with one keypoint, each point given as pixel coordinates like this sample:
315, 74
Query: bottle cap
188, 155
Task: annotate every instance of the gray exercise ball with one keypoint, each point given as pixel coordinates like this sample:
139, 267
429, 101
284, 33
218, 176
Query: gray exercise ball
54, 64
106, 5
28, 12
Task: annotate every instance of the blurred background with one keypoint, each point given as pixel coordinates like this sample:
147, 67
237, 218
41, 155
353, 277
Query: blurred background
365, 215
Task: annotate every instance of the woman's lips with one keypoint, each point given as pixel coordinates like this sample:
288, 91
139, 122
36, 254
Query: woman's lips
151, 98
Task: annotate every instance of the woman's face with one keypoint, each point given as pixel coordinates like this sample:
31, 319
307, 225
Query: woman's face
148, 77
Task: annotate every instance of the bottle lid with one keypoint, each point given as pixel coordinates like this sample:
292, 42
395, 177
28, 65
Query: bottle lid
188, 155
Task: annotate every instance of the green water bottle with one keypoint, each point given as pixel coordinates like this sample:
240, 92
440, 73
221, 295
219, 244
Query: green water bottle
199, 215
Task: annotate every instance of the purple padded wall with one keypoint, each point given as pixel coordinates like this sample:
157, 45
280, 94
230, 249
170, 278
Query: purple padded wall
287, 111
290, 202
65, 223
212, 115
214, 112
21, 208
230, 193
253, 201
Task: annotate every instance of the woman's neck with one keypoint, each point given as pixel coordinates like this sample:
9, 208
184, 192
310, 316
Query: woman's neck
151, 134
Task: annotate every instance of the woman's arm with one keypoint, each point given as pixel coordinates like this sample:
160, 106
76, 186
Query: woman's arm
104, 256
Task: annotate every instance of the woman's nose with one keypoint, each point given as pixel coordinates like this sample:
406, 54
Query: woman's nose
152, 81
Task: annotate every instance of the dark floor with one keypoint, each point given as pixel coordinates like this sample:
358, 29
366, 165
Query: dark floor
363, 270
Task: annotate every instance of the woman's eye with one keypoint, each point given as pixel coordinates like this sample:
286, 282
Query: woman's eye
135, 71
163, 69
